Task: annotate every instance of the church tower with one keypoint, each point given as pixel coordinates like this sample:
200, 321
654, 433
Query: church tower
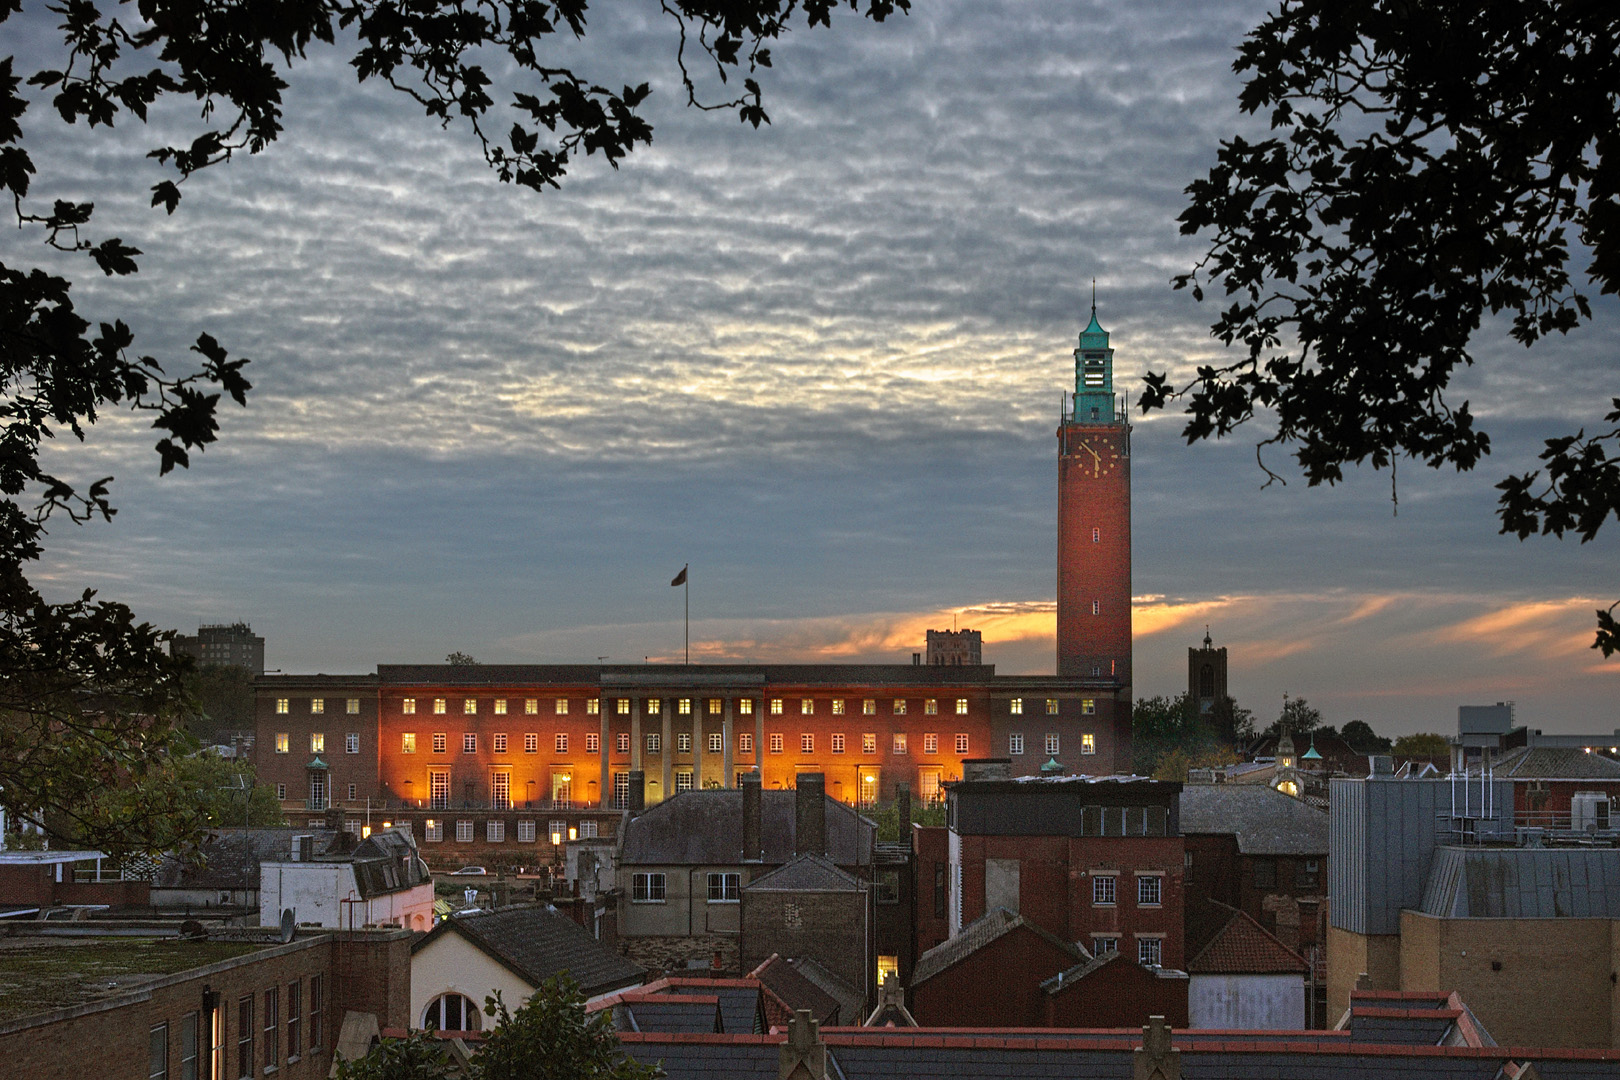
1094, 520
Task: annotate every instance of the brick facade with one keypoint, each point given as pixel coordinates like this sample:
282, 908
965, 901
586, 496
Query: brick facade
998, 985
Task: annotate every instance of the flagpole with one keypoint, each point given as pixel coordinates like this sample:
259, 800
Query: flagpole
686, 594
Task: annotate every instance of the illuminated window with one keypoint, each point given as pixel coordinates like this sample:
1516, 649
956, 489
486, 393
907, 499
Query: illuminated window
807, 743
531, 742
745, 743
1051, 743
407, 742
622, 706
899, 706
930, 707
746, 706
1088, 743
1096, 607
899, 742
961, 743
684, 706
317, 742
930, 743
593, 707
1088, 706
434, 830
562, 706
317, 705
1015, 743
961, 706
1051, 706
438, 706
838, 743
283, 742
469, 743
776, 742
469, 706
1103, 889
500, 742
807, 706
531, 706
440, 739
622, 742
655, 742
352, 706
838, 706
281, 705
683, 742
869, 742
1016, 706
500, 706
716, 706
654, 706
408, 706
593, 743
716, 742
869, 707
776, 706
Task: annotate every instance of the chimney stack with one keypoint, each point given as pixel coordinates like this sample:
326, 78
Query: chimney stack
996, 768
751, 811
638, 792
902, 799
810, 814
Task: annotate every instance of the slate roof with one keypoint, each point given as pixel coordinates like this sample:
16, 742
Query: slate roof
1553, 763
1524, 883
385, 862
1243, 947
1265, 822
670, 1012
705, 828
796, 991
739, 1005
807, 873
850, 1000
975, 936
230, 858
535, 943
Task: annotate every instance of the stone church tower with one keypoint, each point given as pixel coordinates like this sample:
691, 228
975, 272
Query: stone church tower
1094, 520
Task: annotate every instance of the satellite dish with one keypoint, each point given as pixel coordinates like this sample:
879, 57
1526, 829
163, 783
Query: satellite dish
287, 925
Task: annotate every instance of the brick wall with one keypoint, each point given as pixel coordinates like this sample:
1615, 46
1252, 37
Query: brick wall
1120, 994
997, 986
1094, 551
833, 929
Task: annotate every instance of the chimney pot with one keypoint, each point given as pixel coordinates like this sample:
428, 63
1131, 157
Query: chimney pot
810, 814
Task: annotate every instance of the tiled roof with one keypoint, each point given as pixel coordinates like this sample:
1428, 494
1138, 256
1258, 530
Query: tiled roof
1265, 822
705, 828
1243, 947
739, 1005
850, 999
1524, 883
1553, 763
795, 991
975, 936
537, 943
670, 1012
807, 873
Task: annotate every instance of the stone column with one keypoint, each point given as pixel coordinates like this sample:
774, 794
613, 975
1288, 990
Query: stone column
635, 733
606, 789
759, 739
667, 709
730, 777
700, 713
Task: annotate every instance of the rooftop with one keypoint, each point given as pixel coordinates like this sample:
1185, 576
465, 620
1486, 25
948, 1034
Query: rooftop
706, 827
1265, 821
536, 943
40, 974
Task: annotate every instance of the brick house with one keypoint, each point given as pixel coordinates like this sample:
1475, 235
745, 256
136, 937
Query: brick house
809, 909
1095, 860
174, 1007
1113, 990
990, 974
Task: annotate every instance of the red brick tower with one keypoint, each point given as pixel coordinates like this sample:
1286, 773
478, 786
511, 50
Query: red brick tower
1094, 520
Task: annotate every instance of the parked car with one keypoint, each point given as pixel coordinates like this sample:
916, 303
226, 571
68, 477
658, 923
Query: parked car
469, 871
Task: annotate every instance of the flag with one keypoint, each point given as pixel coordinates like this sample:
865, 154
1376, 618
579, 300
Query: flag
680, 578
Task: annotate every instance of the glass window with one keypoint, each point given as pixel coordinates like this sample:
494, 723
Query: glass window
746, 706
317, 1010
869, 742
562, 706
281, 791
295, 1018
1016, 706
622, 706
500, 706
716, 742
899, 706
1096, 607
593, 707
317, 742
561, 742
930, 743
930, 707
272, 1027
494, 831
281, 705
352, 706
464, 832
869, 707
1015, 743
654, 706
899, 742
888, 886
1148, 951
655, 742
1088, 706
807, 706
745, 743
1051, 706
838, 706
317, 705
683, 742
647, 888
684, 706
838, 742
188, 1045
593, 742
351, 742
1149, 890
157, 1055
1103, 888
439, 706
807, 743
587, 830
244, 1037
408, 706
469, 706
283, 742
1051, 743
434, 830
499, 742
1088, 743
531, 742
525, 832
469, 742
622, 742
725, 888
961, 706
776, 742
683, 780
715, 706
1104, 944
961, 743
451, 1012
776, 706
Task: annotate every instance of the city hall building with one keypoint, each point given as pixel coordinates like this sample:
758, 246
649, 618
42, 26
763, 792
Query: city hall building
499, 754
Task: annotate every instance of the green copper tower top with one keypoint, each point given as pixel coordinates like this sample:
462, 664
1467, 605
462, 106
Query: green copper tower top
1093, 373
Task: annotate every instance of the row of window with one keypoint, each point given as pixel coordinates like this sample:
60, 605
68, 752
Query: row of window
317, 742
495, 831
1149, 950
652, 888
1105, 890
197, 1042
683, 742
683, 706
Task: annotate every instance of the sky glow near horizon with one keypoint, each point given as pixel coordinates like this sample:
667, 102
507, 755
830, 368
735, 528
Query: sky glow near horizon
820, 362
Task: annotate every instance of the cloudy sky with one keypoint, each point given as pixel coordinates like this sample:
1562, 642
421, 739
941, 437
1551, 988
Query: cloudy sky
820, 362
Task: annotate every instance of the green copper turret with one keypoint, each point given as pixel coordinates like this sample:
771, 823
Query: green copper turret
1093, 375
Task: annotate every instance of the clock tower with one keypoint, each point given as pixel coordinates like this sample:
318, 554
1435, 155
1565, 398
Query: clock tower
1094, 520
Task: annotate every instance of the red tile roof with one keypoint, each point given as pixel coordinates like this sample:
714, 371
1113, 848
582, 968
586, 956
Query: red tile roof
1243, 947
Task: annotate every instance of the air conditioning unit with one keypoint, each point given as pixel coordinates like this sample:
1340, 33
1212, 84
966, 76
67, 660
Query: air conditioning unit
1589, 811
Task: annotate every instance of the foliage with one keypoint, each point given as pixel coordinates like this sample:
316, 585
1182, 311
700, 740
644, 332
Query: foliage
552, 1038
887, 817
1174, 763
1301, 718
90, 696
223, 694
202, 791
1360, 737
1161, 727
418, 1056
1426, 744
461, 659
1429, 165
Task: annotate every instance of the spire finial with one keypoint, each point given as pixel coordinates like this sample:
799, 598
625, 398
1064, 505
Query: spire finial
1094, 297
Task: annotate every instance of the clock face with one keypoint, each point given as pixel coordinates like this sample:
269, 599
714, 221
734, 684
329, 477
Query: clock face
1102, 460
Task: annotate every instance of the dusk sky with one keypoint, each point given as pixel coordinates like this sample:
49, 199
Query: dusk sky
820, 362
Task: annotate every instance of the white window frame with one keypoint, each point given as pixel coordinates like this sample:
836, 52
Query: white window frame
351, 743
650, 887
464, 831
1053, 744
725, 887
1015, 743
525, 832
1104, 890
